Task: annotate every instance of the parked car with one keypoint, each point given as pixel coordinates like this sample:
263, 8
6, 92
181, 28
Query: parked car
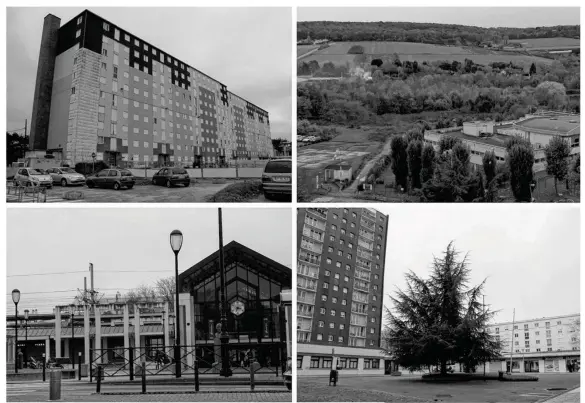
32, 177
114, 178
276, 178
287, 375
66, 176
171, 177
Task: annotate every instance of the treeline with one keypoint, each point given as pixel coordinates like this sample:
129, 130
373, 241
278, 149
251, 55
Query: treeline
440, 34
505, 96
445, 175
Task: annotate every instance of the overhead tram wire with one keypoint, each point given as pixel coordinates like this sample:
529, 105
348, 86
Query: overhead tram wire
82, 271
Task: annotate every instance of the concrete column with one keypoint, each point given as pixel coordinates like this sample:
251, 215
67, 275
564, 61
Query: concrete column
360, 367
126, 333
66, 348
306, 364
58, 331
137, 332
186, 303
166, 325
540, 365
562, 365
86, 333
44, 84
47, 348
98, 332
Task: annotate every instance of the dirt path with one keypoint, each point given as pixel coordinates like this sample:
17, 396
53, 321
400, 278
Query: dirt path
351, 189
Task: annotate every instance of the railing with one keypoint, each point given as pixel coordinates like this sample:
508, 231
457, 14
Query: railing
321, 213
127, 362
362, 275
368, 213
306, 299
362, 287
303, 256
315, 223
20, 194
364, 254
312, 234
365, 234
309, 245
306, 271
356, 297
306, 285
366, 245
367, 224
359, 312
303, 336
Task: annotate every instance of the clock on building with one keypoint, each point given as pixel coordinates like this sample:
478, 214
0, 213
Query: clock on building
238, 308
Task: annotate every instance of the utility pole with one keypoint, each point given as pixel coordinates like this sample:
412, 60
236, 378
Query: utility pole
512, 343
25, 126
483, 297
91, 282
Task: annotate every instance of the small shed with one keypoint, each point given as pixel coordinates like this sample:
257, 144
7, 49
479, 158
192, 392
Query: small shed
338, 172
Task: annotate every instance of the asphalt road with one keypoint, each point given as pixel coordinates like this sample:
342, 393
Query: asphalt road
197, 192
78, 391
410, 388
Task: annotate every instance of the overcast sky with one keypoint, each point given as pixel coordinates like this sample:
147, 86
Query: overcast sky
247, 49
479, 16
530, 256
128, 239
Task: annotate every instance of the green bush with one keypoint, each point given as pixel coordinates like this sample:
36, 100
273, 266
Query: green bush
356, 50
238, 192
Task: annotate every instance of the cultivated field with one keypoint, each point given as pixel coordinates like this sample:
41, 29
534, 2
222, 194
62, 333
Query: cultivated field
420, 52
302, 49
548, 43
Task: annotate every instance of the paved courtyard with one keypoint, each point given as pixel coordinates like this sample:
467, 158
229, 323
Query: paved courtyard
412, 389
75, 391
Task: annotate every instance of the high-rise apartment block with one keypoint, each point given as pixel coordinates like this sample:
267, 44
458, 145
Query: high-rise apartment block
102, 90
340, 287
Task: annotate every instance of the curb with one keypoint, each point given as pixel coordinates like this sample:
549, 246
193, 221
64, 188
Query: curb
190, 392
546, 399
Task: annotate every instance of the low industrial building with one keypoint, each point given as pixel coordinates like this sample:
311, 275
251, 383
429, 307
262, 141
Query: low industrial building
538, 129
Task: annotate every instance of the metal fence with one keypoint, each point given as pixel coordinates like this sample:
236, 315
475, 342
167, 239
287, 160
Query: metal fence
21, 194
127, 362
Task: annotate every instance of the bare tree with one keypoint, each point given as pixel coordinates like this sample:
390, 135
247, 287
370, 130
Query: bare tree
165, 288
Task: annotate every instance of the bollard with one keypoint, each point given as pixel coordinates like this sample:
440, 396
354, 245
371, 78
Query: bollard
143, 378
98, 385
79, 366
55, 386
252, 375
44, 368
333, 377
196, 375
90, 365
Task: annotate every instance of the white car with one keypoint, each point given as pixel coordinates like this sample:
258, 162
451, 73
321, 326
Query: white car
32, 177
66, 176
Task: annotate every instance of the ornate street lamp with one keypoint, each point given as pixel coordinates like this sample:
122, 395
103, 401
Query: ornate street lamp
176, 239
26, 311
16, 300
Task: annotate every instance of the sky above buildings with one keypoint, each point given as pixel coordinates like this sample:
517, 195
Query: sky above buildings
127, 246
530, 257
247, 49
518, 17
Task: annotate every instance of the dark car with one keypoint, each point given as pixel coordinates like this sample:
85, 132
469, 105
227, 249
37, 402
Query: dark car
111, 178
171, 176
277, 177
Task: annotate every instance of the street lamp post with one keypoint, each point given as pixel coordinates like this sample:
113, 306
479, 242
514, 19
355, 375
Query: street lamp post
176, 239
26, 311
224, 336
15, 299
164, 332
71, 353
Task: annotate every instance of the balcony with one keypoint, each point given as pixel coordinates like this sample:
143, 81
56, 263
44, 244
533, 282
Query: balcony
307, 271
366, 245
364, 254
311, 246
366, 223
371, 214
314, 235
315, 223
308, 258
305, 314
361, 298
356, 312
319, 212
361, 275
307, 299
358, 320
357, 331
366, 234
303, 336
311, 286
361, 287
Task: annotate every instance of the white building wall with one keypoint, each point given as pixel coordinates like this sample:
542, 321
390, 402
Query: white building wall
314, 350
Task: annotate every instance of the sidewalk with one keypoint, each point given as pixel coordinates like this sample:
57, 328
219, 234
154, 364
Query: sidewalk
572, 396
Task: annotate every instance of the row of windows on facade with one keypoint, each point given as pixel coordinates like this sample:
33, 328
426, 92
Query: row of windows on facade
101, 117
354, 215
146, 158
342, 362
305, 337
324, 297
303, 309
342, 315
526, 326
321, 224
105, 39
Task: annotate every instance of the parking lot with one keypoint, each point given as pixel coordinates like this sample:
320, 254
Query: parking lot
144, 192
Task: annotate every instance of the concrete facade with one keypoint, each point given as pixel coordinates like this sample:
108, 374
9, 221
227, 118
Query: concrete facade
340, 277
132, 104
